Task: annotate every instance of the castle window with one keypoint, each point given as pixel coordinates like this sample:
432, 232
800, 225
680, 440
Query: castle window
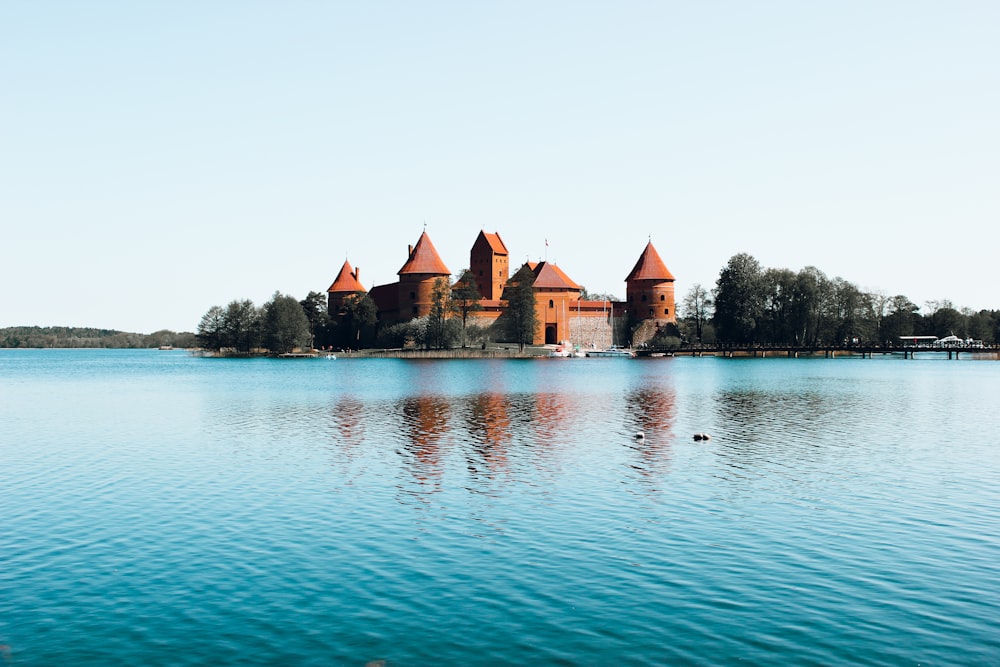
666, 311
650, 312
480, 272
663, 298
551, 304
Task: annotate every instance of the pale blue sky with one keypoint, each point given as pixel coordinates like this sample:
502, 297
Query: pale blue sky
158, 158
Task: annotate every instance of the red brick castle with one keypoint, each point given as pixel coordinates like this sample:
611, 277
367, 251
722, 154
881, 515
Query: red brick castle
562, 315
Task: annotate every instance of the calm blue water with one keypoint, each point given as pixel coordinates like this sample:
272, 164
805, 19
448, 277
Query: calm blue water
160, 509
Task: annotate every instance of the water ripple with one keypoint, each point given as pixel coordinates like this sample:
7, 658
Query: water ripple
192, 512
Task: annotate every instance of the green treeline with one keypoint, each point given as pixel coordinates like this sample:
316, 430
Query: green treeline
281, 325
284, 325
751, 304
52, 337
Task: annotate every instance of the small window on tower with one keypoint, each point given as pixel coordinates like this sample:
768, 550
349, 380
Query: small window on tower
663, 298
666, 311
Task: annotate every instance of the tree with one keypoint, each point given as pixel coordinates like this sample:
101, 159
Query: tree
778, 294
522, 319
465, 299
696, 308
983, 325
878, 309
439, 334
285, 325
901, 320
212, 329
811, 293
943, 320
402, 334
314, 307
358, 321
241, 326
847, 312
596, 296
738, 299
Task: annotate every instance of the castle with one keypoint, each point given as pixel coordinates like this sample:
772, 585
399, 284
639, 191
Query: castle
561, 314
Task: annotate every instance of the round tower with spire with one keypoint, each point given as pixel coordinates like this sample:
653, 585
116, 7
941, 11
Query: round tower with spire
649, 293
345, 285
417, 276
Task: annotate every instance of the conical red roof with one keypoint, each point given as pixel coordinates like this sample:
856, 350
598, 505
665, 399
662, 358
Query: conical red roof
347, 280
650, 267
424, 258
550, 276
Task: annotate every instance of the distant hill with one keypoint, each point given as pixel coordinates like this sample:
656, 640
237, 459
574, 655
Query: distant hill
90, 337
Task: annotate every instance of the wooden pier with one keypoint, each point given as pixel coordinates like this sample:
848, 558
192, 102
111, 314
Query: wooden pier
825, 351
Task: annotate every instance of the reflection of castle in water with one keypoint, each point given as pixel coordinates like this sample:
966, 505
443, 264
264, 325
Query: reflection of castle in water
349, 421
485, 425
425, 418
651, 410
488, 424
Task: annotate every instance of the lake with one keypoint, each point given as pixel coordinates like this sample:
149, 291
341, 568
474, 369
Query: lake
163, 509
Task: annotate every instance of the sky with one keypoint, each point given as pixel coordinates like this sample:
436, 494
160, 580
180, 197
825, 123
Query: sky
159, 158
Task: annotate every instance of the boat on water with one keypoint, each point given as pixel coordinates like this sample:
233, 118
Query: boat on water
564, 350
615, 351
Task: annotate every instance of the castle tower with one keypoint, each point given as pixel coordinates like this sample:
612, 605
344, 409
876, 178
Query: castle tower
345, 285
416, 279
488, 263
649, 289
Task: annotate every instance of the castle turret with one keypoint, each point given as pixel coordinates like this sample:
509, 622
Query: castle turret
416, 279
345, 285
649, 289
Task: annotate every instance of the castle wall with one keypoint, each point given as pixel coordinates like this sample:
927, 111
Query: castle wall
644, 332
587, 328
590, 330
